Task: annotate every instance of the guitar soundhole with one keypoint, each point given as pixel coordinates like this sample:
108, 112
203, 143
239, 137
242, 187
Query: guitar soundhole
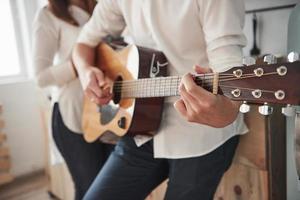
117, 90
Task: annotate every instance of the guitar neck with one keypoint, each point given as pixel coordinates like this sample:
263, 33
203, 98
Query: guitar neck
155, 87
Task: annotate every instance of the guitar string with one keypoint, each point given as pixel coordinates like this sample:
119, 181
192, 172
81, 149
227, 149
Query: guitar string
139, 82
148, 85
161, 78
174, 89
195, 75
125, 88
124, 84
177, 92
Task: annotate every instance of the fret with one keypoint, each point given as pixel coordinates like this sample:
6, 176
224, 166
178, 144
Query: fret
139, 87
142, 88
160, 87
147, 89
156, 87
170, 87
151, 87
135, 89
164, 87
142, 92
178, 83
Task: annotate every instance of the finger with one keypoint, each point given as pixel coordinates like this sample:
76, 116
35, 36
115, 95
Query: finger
190, 102
196, 91
94, 86
202, 70
105, 100
92, 96
189, 108
106, 92
100, 77
108, 81
180, 107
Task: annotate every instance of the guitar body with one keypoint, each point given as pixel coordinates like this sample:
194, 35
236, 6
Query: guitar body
122, 116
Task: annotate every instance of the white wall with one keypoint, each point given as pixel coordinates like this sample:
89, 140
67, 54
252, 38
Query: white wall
272, 26
21, 109
23, 127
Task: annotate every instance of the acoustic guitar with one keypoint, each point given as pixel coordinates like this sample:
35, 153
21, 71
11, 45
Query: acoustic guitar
141, 83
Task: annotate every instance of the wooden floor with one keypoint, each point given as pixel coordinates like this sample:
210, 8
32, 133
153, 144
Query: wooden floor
33, 187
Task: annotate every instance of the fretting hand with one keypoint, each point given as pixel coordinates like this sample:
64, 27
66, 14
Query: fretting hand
201, 106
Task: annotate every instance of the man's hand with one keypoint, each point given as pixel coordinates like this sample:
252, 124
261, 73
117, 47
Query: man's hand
200, 106
95, 85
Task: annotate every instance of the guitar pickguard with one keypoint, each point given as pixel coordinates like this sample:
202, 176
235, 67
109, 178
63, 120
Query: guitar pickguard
107, 113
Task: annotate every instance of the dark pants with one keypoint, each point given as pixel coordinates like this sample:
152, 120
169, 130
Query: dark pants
131, 173
84, 160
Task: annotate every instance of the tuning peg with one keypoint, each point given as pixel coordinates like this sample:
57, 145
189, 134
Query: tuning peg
244, 108
289, 111
249, 61
270, 59
293, 57
265, 109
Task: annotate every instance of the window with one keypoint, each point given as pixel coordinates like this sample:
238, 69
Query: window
15, 54
8, 49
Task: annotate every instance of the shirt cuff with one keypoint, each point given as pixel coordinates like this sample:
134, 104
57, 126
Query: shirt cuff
88, 38
63, 73
223, 58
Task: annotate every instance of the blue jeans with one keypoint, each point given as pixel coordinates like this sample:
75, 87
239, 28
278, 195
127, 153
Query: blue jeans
131, 173
84, 160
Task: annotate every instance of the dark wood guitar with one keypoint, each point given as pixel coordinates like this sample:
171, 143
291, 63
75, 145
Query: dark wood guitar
141, 83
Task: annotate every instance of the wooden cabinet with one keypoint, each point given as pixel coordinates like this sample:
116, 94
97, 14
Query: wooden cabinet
259, 167
258, 171
5, 161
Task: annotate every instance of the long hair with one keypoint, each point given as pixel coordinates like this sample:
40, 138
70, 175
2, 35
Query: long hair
60, 9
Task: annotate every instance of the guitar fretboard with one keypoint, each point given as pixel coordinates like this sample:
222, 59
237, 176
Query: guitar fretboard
151, 87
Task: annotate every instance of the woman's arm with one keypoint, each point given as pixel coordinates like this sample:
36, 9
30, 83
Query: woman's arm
45, 46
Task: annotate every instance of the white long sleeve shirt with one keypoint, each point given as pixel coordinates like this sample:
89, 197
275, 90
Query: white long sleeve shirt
53, 40
203, 32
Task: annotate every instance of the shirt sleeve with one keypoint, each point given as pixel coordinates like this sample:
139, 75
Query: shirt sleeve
45, 46
106, 20
222, 22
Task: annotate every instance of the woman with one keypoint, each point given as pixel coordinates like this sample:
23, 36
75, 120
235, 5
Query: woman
56, 28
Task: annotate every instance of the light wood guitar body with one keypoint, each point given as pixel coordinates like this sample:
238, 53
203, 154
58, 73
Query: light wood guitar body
124, 115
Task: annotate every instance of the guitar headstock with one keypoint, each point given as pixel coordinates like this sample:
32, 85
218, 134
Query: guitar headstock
268, 82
